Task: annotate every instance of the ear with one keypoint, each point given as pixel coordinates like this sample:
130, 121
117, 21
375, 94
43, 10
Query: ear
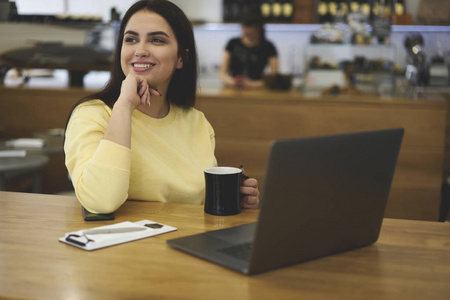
182, 59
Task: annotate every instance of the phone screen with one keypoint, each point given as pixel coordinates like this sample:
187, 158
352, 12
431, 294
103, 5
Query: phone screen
88, 216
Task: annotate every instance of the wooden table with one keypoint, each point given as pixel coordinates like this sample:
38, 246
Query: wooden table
411, 260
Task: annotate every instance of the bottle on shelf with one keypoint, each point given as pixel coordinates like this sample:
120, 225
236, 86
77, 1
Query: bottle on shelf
231, 10
287, 11
234, 10
382, 9
332, 10
381, 19
354, 6
342, 11
364, 6
374, 9
226, 11
400, 7
277, 11
266, 10
322, 11
401, 16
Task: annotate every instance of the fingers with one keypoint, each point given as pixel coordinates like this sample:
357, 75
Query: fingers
243, 175
136, 91
145, 93
249, 183
249, 188
250, 202
249, 191
155, 92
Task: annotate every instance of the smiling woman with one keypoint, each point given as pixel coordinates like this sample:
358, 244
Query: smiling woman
140, 137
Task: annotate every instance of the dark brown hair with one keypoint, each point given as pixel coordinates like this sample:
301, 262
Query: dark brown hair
254, 19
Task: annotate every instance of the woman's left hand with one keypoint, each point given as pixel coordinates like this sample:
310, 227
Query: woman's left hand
249, 188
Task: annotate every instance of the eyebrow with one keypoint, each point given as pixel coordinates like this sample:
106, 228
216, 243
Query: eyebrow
148, 34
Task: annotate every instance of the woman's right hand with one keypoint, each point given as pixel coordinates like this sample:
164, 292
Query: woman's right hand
135, 91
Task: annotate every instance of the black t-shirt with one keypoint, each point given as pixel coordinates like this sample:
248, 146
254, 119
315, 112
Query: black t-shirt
249, 62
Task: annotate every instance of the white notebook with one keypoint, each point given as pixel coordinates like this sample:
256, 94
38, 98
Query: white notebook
105, 236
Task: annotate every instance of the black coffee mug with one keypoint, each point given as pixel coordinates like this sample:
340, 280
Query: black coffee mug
222, 196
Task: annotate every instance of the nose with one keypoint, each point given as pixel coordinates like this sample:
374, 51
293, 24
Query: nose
141, 52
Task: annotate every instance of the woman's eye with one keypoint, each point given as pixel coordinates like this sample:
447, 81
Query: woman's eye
157, 41
130, 40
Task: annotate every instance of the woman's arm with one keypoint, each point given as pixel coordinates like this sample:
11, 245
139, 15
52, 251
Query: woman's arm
99, 168
274, 64
224, 67
252, 84
98, 154
134, 91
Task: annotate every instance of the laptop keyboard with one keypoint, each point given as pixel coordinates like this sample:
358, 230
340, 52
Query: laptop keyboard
239, 251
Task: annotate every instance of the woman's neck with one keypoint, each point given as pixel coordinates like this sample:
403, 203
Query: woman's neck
250, 44
158, 109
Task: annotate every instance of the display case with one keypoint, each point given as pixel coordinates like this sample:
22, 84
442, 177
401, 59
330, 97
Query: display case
348, 68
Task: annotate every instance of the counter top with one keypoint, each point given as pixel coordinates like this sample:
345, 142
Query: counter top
289, 96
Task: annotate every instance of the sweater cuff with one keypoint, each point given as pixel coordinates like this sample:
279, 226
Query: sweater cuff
113, 154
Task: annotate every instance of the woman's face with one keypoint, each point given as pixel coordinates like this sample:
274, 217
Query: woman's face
150, 49
251, 36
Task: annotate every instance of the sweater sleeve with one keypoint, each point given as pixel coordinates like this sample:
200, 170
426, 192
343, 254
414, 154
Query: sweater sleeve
99, 169
212, 136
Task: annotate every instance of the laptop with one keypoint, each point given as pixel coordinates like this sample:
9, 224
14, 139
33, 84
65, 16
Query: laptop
322, 196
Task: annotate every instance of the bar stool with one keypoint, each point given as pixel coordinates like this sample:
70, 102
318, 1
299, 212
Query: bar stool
11, 167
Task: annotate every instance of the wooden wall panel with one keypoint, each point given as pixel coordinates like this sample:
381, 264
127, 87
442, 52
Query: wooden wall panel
25, 111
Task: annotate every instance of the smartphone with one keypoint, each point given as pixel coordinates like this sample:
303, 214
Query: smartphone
88, 216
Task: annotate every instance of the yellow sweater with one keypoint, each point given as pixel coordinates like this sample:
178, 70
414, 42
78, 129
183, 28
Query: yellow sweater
165, 162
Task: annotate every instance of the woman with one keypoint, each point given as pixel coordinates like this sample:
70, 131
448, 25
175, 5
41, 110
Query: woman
140, 137
245, 58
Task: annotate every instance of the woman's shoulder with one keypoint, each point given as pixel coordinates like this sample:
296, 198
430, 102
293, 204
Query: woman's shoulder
194, 119
187, 111
92, 107
91, 103
233, 42
269, 47
190, 113
268, 43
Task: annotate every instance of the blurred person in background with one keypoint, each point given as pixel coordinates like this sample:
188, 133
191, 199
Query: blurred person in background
247, 56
